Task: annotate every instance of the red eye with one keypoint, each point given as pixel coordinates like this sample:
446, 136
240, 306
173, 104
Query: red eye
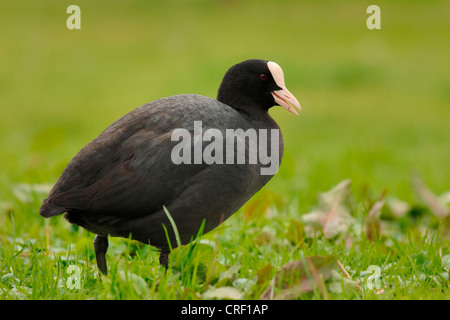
263, 77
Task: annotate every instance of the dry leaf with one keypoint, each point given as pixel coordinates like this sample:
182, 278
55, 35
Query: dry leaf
264, 237
298, 277
295, 231
372, 222
224, 293
227, 276
398, 208
260, 205
381, 291
264, 273
332, 213
438, 205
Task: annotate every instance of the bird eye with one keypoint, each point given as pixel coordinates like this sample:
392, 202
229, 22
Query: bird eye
263, 77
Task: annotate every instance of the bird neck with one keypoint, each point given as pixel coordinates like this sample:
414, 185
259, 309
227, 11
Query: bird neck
243, 104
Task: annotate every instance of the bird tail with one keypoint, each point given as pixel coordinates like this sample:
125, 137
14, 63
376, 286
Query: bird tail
49, 210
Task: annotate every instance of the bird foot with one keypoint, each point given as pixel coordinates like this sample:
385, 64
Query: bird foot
100, 248
164, 260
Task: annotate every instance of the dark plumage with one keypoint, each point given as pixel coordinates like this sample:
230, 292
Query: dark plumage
118, 184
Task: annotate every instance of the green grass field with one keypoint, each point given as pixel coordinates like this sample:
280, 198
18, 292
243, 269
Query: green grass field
374, 126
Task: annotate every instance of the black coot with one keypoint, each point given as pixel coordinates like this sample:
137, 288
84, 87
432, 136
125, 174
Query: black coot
118, 184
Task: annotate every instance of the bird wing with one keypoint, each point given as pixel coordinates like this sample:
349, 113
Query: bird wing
131, 159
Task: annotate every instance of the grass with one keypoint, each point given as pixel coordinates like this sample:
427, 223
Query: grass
375, 112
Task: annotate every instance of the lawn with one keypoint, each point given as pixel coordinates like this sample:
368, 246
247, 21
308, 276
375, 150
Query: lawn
365, 176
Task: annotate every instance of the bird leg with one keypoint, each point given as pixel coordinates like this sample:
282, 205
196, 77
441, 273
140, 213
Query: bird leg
100, 248
164, 259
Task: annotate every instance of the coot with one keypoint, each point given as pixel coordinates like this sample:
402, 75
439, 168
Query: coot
119, 183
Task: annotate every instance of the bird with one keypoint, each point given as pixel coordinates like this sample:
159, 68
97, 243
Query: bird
125, 182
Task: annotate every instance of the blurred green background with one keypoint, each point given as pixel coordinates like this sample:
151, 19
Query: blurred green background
376, 103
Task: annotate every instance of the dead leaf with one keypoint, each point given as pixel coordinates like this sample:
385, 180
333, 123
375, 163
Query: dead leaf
260, 205
444, 200
397, 208
372, 221
264, 237
298, 277
264, 273
223, 293
381, 291
332, 213
227, 276
295, 231
438, 205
